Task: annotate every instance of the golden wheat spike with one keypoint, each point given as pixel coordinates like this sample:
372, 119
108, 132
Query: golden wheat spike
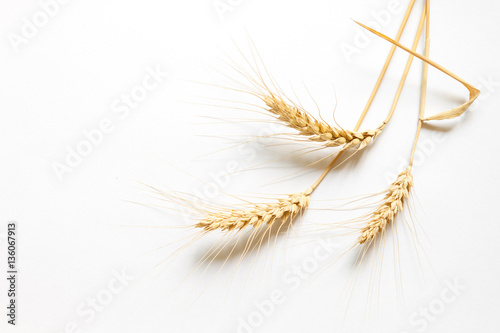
396, 195
261, 213
318, 131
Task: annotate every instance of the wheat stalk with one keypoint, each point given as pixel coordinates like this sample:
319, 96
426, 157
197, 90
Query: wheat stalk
261, 213
396, 195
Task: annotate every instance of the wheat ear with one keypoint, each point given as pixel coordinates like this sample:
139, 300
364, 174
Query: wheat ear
299, 119
261, 85
261, 213
396, 195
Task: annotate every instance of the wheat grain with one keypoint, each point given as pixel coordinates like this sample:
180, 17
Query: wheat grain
259, 214
393, 203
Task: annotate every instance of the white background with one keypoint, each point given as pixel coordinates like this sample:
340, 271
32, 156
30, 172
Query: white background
64, 79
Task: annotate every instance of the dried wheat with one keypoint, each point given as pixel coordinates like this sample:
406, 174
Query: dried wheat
259, 214
393, 203
299, 119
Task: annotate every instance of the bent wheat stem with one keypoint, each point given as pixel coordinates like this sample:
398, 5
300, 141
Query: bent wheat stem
449, 114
